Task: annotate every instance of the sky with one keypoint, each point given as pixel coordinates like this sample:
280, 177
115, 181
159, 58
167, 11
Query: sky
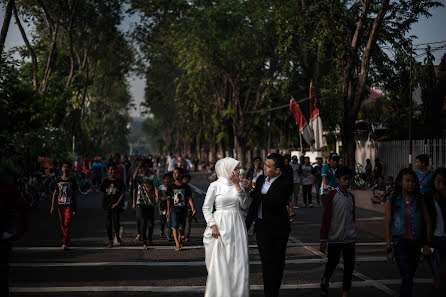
428, 30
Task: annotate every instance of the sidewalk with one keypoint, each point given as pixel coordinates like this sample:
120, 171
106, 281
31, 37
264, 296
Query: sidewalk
362, 200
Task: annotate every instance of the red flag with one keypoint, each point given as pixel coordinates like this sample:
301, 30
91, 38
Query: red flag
301, 122
316, 122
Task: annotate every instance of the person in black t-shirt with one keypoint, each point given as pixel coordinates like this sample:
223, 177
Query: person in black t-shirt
113, 190
66, 192
178, 195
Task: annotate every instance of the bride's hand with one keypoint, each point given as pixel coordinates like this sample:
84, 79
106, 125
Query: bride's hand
215, 232
235, 178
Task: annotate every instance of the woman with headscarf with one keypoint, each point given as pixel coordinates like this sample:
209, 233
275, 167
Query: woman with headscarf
225, 238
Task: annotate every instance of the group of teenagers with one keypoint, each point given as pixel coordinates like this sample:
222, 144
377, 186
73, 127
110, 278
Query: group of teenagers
414, 225
173, 197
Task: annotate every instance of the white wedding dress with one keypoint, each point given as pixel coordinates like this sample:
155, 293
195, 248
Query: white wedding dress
227, 259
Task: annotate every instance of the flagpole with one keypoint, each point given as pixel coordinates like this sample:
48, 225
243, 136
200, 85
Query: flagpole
300, 138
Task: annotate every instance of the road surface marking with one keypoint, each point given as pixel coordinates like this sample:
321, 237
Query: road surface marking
292, 243
199, 289
199, 191
176, 263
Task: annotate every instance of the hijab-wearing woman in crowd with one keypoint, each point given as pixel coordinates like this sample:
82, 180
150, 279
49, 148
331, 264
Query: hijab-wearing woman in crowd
225, 238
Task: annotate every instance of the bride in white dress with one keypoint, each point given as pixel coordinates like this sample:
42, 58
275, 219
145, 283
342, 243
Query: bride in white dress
225, 238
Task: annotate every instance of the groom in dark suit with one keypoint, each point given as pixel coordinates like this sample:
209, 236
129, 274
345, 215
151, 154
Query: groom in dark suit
272, 226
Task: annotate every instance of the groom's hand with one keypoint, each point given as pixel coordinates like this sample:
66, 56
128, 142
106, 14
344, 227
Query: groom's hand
323, 246
215, 232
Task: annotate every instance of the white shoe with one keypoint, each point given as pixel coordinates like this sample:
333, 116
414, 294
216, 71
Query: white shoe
311, 205
295, 206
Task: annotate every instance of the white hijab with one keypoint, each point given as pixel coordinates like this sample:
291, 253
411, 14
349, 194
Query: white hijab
224, 168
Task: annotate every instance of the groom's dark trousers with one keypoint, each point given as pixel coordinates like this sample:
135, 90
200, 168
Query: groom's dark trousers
272, 230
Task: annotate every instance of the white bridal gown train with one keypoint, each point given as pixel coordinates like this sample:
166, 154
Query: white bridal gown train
227, 259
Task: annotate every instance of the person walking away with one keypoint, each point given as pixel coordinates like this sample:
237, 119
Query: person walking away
188, 226
338, 231
407, 220
145, 196
317, 177
162, 193
171, 163
178, 195
86, 164
272, 226
307, 182
328, 172
424, 175
436, 204
98, 170
66, 192
297, 180
113, 190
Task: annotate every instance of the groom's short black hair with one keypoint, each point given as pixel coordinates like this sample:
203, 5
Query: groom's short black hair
278, 160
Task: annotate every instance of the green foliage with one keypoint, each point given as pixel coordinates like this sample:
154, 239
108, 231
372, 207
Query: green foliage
87, 93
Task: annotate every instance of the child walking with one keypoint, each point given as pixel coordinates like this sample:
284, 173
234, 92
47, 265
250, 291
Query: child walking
113, 190
405, 218
338, 229
145, 195
66, 192
178, 195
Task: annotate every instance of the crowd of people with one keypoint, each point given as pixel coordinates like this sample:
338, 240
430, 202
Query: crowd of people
265, 196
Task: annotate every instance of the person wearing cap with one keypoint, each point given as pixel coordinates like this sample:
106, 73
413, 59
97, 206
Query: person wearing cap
328, 175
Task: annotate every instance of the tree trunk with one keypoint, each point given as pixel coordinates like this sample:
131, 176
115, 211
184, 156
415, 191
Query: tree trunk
52, 54
30, 50
5, 26
349, 141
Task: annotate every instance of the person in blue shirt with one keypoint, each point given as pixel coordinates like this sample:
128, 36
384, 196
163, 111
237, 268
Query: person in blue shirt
328, 172
408, 226
425, 176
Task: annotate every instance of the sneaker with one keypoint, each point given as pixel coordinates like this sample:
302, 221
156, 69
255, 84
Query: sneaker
295, 206
138, 237
311, 205
291, 220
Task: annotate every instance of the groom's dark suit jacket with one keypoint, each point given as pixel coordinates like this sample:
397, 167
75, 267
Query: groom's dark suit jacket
274, 202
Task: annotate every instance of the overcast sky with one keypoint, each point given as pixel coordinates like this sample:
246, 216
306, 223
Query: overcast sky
427, 30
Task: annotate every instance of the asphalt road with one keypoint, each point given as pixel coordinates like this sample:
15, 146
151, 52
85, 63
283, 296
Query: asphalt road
40, 268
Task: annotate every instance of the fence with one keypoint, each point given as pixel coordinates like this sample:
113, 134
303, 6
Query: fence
394, 155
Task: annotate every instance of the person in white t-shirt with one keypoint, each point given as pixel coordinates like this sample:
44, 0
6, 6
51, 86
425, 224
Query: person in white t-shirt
171, 163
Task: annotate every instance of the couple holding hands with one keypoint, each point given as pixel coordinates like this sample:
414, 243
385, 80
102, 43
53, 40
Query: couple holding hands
232, 205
